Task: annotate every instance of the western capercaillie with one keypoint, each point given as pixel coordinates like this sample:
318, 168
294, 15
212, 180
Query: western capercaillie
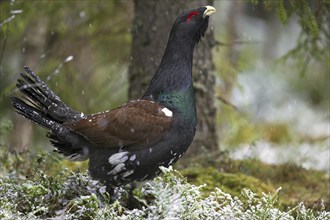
128, 143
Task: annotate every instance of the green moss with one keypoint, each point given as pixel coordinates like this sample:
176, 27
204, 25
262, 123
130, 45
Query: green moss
276, 132
232, 183
298, 184
33, 192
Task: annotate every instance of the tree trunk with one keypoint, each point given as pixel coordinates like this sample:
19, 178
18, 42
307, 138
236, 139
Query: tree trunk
151, 27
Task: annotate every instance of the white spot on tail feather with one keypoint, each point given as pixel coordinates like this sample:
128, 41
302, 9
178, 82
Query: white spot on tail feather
171, 161
118, 158
80, 156
126, 174
117, 169
133, 157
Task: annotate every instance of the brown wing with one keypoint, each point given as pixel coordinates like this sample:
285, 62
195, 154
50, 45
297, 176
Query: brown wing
135, 125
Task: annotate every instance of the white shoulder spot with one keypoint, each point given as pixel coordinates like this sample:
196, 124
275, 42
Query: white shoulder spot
167, 112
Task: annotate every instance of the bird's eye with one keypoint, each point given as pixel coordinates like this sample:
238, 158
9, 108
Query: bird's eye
192, 16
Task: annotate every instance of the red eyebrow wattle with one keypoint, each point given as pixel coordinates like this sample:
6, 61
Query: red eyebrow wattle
191, 14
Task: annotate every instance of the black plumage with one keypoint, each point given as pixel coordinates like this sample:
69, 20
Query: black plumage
130, 142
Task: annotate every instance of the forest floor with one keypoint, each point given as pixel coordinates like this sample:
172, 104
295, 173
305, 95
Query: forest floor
44, 185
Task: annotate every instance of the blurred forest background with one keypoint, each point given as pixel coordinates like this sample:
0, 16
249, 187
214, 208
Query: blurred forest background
270, 78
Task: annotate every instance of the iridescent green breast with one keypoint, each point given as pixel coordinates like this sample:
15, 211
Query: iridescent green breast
182, 102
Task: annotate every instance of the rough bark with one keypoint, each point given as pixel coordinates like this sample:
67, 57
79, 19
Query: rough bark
150, 30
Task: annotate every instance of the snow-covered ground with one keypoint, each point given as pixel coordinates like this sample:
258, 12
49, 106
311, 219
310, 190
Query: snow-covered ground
309, 156
267, 98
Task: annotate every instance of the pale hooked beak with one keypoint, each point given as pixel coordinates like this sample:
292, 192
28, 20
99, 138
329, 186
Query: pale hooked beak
209, 10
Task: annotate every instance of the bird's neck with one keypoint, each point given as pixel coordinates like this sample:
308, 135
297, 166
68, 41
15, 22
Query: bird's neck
174, 73
172, 83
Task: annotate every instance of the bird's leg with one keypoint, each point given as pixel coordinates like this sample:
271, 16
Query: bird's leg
112, 192
132, 202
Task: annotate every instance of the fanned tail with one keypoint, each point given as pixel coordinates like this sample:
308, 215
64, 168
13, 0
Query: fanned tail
46, 109
45, 99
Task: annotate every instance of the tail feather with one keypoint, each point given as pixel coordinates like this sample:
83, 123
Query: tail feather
46, 109
45, 99
32, 113
67, 150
